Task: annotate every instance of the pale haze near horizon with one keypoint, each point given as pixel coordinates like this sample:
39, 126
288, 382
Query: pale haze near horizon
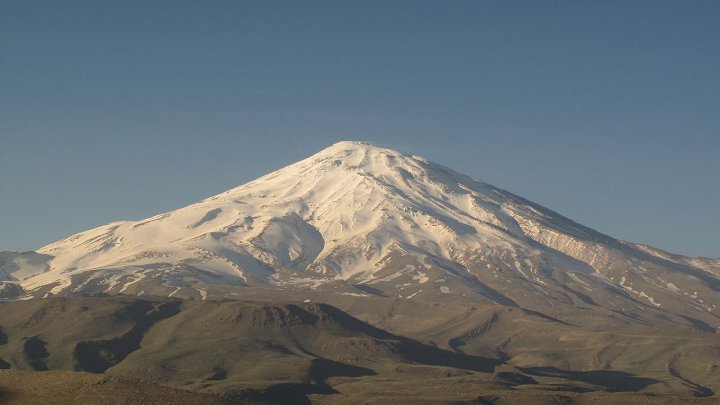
605, 112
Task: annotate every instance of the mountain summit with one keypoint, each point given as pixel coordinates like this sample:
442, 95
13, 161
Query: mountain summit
360, 220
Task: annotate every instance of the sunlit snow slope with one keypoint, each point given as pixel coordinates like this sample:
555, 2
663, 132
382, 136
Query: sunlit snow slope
358, 219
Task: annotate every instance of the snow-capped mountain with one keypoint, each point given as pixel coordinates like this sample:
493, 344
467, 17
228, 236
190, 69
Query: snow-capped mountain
362, 220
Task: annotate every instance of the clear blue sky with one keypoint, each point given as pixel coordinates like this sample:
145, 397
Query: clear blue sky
605, 111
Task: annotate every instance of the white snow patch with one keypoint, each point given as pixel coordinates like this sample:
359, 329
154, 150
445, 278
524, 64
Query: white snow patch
354, 294
294, 255
413, 294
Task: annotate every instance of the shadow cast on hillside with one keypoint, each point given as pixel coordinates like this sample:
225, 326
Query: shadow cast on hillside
297, 393
369, 290
98, 356
35, 353
612, 381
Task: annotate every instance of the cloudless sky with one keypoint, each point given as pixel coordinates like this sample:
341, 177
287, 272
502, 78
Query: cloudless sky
607, 112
